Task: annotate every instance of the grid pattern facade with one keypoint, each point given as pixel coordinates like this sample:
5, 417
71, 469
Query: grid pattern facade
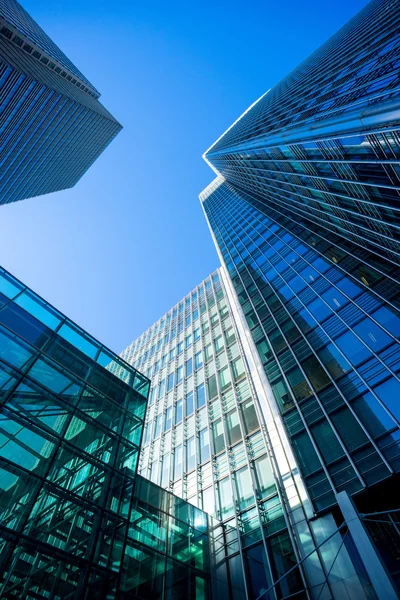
71, 422
304, 213
16, 16
206, 440
52, 125
323, 145
328, 344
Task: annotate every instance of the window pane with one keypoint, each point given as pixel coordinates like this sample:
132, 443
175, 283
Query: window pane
200, 395
190, 454
218, 436
212, 387
265, 477
244, 487
178, 462
189, 404
178, 412
204, 445
232, 421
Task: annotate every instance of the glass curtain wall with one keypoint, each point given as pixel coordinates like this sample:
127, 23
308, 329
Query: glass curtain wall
204, 440
71, 422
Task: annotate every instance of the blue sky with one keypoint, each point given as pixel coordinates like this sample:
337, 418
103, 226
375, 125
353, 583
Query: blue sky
130, 240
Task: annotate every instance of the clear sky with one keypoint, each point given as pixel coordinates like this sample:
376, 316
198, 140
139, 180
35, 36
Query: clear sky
130, 240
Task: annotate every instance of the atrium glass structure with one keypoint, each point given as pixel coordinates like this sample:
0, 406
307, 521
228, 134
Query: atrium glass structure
52, 125
75, 520
304, 213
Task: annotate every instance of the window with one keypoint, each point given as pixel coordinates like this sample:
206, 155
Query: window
172, 354
196, 334
165, 471
244, 487
218, 343
229, 336
161, 388
168, 418
306, 454
238, 368
200, 395
164, 361
157, 426
334, 361
327, 441
198, 360
170, 381
351, 347
204, 445
178, 412
189, 367
233, 426
225, 498
208, 352
372, 334
386, 317
224, 378
389, 393
315, 372
212, 387
265, 477
300, 386
179, 374
190, 454
249, 416
195, 314
208, 501
259, 571
189, 404
178, 462
373, 416
147, 436
349, 430
179, 348
218, 436
188, 340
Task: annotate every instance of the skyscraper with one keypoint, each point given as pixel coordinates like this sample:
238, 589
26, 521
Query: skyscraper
204, 438
52, 125
304, 213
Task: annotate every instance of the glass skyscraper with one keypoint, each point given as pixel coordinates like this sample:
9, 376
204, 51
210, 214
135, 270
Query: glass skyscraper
203, 435
52, 125
304, 213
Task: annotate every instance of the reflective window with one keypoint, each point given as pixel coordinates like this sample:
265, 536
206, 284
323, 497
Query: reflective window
200, 395
389, 393
204, 438
190, 454
189, 404
198, 360
189, 367
178, 412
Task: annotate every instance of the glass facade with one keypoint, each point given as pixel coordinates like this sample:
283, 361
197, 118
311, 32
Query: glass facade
76, 520
207, 440
304, 215
52, 123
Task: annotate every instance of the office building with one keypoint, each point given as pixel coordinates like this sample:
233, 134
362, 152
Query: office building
213, 437
53, 126
304, 214
76, 521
